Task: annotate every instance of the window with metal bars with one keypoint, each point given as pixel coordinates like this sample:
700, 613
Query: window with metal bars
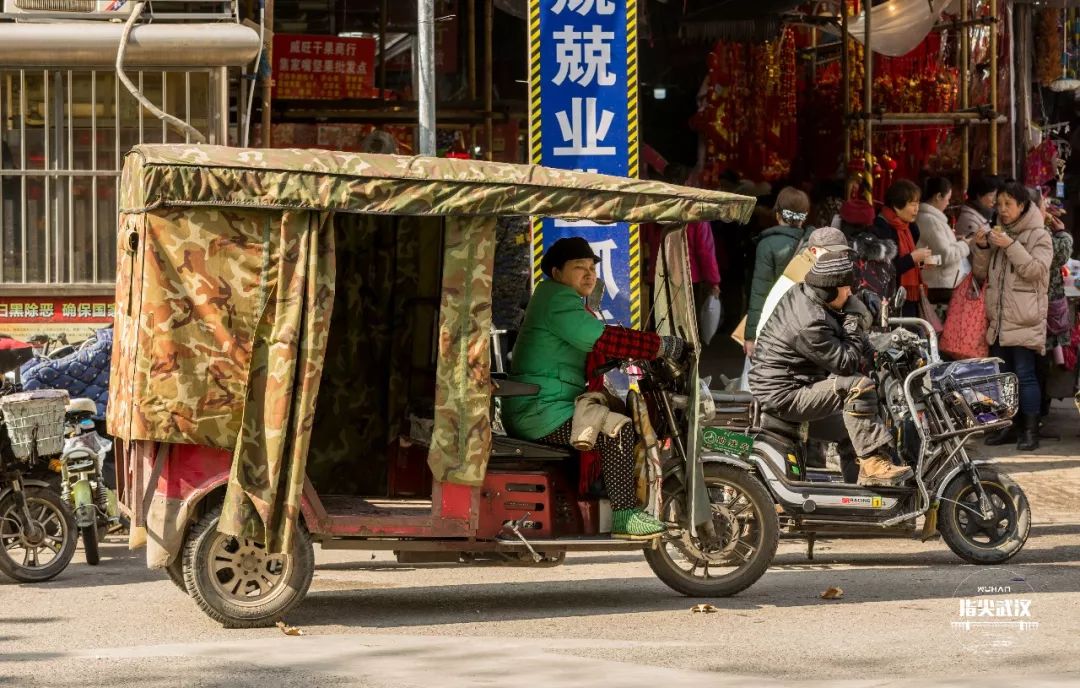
64, 134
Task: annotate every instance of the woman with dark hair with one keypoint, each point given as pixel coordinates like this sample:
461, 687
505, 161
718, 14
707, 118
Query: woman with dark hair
1014, 260
978, 209
560, 345
896, 225
936, 234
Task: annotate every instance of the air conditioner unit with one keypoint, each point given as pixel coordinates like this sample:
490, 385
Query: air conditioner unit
120, 8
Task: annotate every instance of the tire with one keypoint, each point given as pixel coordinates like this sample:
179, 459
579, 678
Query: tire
964, 534
90, 544
766, 536
61, 523
204, 546
176, 573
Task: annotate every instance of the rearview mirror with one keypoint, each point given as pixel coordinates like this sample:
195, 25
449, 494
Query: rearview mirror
898, 300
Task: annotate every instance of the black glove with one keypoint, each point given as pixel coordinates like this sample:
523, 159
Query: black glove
852, 323
854, 306
672, 348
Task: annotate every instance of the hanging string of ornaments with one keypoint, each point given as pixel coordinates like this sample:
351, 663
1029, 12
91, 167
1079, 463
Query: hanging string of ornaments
748, 117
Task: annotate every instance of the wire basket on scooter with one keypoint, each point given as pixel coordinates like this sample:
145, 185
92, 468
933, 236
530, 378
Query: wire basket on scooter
35, 418
977, 394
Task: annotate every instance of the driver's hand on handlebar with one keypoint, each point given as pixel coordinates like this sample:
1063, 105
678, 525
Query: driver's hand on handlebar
672, 348
861, 317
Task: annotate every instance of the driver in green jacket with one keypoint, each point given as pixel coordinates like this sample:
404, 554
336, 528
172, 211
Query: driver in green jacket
559, 343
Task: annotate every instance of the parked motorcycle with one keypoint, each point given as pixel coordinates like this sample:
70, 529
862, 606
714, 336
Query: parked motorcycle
37, 530
82, 483
933, 408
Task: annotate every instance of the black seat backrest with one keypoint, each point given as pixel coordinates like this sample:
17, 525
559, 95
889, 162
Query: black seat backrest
513, 448
509, 388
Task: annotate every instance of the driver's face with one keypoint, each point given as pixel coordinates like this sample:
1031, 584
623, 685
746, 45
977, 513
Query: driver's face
843, 294
578, 274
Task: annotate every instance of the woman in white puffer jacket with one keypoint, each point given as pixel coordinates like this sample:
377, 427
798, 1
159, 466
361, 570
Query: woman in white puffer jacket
936, 234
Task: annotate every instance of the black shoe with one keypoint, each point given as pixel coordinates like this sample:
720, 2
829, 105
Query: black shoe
1004, 436
1029, 434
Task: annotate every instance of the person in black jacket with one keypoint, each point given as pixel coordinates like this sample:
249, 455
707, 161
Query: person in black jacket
807, 365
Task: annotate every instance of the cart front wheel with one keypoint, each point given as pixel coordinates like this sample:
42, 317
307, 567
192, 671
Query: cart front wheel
236, 582
747, 534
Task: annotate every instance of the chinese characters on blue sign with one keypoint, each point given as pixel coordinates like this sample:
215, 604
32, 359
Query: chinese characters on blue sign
583, 103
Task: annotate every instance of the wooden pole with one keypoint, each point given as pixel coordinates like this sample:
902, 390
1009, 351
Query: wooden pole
268, 82
471, 56
964, 67
489, 86
868, 85
383, 9
845, 82
994, 85
1023, 69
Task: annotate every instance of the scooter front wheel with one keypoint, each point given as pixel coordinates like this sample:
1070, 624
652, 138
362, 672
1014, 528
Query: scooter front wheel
982, 540
747, 534
90, 544
42, 549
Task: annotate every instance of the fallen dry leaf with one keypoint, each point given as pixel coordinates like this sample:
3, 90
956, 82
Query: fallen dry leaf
704, 609
289, 630
832, 594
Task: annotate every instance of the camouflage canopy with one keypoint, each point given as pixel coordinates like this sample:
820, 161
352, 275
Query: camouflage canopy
187, 175
226, 284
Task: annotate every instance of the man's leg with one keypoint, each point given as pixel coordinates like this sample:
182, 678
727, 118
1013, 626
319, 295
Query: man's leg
869, 436
856, 397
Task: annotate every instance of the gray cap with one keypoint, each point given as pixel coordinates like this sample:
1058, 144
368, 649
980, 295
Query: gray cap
829, 238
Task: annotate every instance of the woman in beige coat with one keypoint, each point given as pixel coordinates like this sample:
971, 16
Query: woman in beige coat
936, 235
1014, 260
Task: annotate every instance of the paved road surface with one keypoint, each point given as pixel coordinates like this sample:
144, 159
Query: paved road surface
599, 620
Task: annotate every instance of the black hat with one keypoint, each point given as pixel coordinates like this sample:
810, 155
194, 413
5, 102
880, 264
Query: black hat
570, 248
831, 270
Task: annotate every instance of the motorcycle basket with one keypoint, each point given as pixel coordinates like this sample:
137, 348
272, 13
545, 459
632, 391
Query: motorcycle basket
35, 419
977, 394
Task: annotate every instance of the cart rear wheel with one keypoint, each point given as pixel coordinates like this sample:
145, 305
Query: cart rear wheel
747, 535
236, 582
176, 573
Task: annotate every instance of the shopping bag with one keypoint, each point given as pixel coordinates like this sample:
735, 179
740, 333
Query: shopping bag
927, 312
966, 324
709, 318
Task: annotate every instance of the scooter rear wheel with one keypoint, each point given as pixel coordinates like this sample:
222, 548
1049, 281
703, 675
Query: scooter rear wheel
978, 540
37, 557
747, 536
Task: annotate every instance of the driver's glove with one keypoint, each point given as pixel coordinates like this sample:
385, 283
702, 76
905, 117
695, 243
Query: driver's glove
864, 318
672, 348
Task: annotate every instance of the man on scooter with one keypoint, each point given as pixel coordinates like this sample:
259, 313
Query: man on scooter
808, 360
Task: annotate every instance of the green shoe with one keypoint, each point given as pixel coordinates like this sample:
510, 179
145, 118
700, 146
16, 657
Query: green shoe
635, 524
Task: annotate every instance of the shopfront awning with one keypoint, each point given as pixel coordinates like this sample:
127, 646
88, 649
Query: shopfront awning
94, 44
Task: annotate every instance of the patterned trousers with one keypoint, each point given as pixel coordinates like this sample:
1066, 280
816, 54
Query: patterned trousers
616, 462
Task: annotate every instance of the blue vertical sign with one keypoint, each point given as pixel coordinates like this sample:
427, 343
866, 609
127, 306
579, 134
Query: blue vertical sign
583, 116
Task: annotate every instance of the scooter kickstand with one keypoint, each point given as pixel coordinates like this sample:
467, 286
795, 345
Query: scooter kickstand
810, 539
515, 528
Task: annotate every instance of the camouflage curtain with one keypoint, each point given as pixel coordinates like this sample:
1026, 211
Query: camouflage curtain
262, 500
461, 440
363, 398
